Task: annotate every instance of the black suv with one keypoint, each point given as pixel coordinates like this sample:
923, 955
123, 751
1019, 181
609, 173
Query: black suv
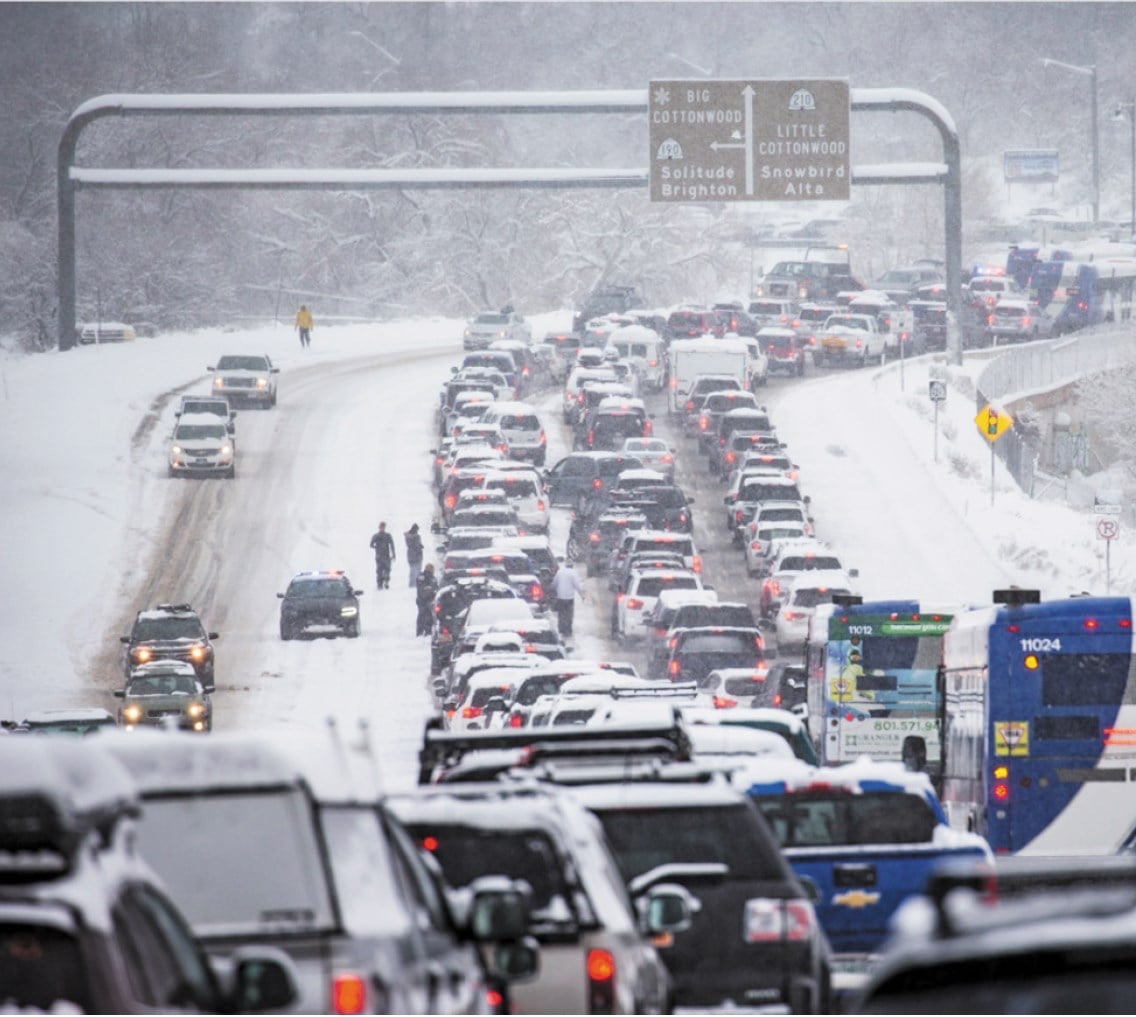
606, 300
755, 940
324, 600
170, 632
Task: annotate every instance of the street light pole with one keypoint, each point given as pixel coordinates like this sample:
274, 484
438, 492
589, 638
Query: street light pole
1092, 73
1128, 109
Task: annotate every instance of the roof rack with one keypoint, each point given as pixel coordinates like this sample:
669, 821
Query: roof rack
444, 749
54, 795
1108, 880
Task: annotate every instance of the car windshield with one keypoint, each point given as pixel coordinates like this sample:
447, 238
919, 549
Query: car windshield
242, 364
652, 586
162, 685
198, 432
646, 838
467, 853
182, 837
310, 589
808, 563
841, 819
809, 596
169, 627
740, 643
492, 319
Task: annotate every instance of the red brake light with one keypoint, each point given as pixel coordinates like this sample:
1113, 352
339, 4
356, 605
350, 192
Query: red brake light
597, 484
601, 965
348, 994
516, 720
430, 843
469, 712
724, 703
634, 604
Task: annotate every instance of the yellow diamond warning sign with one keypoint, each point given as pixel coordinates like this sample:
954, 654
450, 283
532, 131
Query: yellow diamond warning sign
1011, 738
992, 423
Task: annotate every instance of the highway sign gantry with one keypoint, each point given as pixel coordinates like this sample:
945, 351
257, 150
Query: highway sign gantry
744, 140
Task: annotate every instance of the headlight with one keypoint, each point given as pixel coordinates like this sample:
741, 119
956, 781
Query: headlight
142, 654
467, 334
132, 714
176, 450
262, 383
348, 612
197, 653
218, 382
196, 709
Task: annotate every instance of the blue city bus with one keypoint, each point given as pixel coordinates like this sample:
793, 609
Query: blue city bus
871, 679
1039, 724
1096, 292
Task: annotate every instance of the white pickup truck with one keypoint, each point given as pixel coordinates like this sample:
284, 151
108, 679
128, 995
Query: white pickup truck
850, 339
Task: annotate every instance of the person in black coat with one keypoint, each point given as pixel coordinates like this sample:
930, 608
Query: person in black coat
413, 553
383, 545
425, 589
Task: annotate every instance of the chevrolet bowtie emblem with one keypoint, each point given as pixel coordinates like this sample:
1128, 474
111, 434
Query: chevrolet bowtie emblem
855, 899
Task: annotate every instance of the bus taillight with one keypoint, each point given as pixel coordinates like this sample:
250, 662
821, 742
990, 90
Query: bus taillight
1000, 789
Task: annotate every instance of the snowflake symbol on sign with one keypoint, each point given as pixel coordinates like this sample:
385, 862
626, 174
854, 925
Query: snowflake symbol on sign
662, 96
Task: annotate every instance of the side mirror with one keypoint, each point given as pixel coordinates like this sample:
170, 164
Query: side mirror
357, 593
667, 907
211, 368
280, 596
515, 962
499, 909
214, 635
262, 979
690, 501
853, 573
119, 693
124, 639
439, 687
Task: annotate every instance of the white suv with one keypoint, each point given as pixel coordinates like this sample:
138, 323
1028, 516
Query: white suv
200, 444
247, 378
595, 955
523, 431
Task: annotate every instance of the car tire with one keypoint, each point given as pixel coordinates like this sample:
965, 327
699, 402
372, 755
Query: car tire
286, 632
800, 372
352, 630
231, 473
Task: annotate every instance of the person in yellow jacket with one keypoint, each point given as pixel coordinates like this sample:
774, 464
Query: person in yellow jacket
304, 324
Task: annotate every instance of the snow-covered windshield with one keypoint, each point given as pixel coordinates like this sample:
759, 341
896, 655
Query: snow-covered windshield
244, 863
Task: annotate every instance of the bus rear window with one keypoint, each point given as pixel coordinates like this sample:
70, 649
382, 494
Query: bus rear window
1066, 728
1084, 679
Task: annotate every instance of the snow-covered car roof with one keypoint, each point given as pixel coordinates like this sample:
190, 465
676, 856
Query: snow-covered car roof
174, 763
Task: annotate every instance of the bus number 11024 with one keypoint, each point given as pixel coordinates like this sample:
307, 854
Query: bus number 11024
1040, 645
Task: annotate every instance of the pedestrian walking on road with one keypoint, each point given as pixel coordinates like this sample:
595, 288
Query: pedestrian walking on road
426, 588
413, 553
565, 586
304, 325
383, 545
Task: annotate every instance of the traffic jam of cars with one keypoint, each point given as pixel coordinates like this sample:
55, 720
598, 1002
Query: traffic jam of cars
638, 791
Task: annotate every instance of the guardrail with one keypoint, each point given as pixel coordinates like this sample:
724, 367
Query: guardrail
1024, 371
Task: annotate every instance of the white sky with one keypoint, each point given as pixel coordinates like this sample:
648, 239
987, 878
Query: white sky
81, 505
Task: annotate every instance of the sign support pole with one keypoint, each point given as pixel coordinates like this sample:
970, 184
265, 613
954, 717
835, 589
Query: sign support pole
936, 430
991, 473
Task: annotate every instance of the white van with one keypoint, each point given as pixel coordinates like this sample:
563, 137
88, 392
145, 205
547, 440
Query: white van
643, 348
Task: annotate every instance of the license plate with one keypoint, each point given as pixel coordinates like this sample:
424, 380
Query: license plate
200, 462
